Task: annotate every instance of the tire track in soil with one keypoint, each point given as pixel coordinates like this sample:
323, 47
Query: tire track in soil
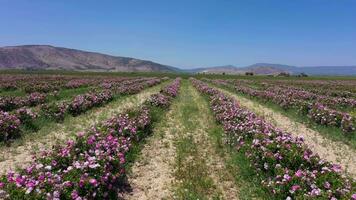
20, 155
333, 151
152, 175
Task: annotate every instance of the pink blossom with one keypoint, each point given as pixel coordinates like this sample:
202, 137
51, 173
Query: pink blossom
294, 188
299, 173
74, 195
93, 181
336, 168
80, 134
353, 197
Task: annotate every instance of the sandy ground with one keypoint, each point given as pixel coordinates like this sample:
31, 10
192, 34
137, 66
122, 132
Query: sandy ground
152, 175
19, 155
333, 151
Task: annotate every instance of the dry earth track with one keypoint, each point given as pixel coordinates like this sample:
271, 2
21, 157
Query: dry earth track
153, 175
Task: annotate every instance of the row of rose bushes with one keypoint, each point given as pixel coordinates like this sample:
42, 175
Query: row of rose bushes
50, 83
163, 98
8, 103
10, 124
334, 88
36, 97
316, 111
91, 166
301, 92
287, 167
81, 103
331, 88
13, 82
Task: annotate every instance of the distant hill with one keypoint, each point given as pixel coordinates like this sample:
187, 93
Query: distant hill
268, 68
43, 57
50, 57
278, 67
259, 68
218, 69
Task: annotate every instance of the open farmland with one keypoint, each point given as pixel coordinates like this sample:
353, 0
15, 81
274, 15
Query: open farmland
176, 136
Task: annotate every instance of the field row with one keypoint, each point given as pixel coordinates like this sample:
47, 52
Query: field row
32, 118
321, 109
206, 143
22, 84
285, 165
93, 164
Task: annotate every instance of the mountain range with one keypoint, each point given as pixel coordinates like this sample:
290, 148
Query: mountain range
39, 57
272, 69
46, 57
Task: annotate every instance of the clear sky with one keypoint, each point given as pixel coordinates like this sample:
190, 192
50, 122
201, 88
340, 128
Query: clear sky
190, 33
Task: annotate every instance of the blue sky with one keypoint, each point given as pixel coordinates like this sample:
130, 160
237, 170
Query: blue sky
190, 33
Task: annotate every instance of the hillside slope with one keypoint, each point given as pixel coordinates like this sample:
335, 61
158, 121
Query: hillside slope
50, 57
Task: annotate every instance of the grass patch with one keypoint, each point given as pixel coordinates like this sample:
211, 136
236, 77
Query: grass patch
191, 170
13, 93
66, 94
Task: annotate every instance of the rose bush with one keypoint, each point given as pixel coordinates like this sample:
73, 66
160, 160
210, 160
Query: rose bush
92, 166
285, 165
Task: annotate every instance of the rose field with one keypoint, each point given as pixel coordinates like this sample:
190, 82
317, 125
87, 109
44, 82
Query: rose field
84, 136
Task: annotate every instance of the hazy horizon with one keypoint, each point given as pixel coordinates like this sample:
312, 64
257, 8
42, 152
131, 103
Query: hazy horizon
190, 34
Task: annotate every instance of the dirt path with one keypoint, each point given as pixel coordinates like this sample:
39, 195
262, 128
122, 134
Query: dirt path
223, 180
151, 175
180, 154
20, 153
335, 152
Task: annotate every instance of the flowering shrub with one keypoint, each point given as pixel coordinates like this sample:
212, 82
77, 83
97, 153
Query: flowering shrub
163, 98
135, 86
322, 115
307, 103
172, 90
10, 103
26, 116
8, 86
57, 111
331, 88
287, 167
54, 111
9, 126
35, 99
160, 100
82, 103
76, 83
90, 167
43, 87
